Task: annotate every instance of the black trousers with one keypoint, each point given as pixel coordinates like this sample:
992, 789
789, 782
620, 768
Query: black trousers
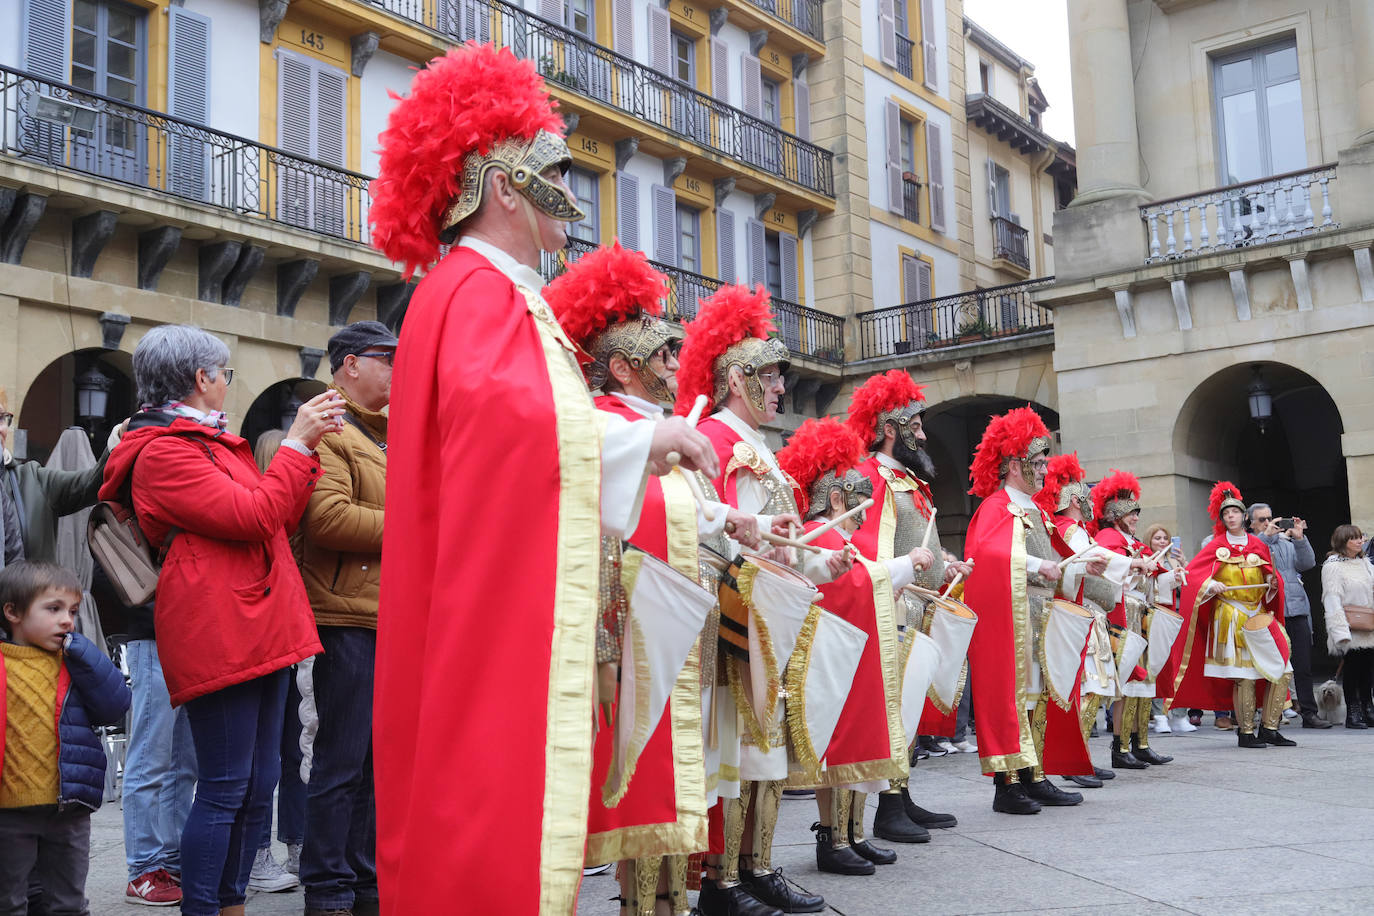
1300, 637
1357, 676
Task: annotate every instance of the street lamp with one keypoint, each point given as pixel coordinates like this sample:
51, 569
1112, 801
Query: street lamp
290, 405
92, 396
1261, 399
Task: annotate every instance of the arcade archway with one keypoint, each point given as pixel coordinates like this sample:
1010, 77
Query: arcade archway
91, 388
275, 407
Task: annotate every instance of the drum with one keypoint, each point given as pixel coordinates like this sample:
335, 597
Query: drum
821, 678
1128, 646
1165, 625
1268, 645
734, 616
951, 626
1067, 626
921, 663
778, 600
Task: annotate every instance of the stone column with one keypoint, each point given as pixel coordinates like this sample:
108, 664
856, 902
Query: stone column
1361, 40
1103, 100
1353, 196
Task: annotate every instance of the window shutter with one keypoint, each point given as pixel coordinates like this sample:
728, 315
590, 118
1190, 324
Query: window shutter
46, 32
887, 32
909, 279
925, 282
758, 254
188, 96
725, 245
787, 251
660, 40
923, 319
751, 85
801, 97
720, 70
892, 115
929, 52
623, 27
665, 224
331, 139
295, 117
935, 178
551, 10
311, 101
627, 210
991, 169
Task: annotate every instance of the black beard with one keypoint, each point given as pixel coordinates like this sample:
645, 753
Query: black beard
915, 460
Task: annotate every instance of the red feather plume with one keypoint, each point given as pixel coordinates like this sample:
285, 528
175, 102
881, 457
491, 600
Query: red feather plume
819, 446
879, 394
602, 288
1222, 491
468, 99
1008, 435
733, 313
1064, 469
1107, 489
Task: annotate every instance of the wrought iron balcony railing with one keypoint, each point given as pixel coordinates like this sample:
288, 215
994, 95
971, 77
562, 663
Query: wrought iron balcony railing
582, 66
1009, 242
806, 331
803, 15
1280, 207
911, 198
904, 64
149, 149
983, 314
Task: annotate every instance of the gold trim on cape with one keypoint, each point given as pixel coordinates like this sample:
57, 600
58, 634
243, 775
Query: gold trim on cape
797, 668
1020, 615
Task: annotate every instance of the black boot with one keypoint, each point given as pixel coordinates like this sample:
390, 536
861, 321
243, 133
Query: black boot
1368, 710
1047, 793
1272, 736
1124, 759
775, 891
892, 824
875, 854
1247, 739
1103, 773
1011, 797
930, 820
1147, 754
838, 860
731, 901
1354, 715
1087, 782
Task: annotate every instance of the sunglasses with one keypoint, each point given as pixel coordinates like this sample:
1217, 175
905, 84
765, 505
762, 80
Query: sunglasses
386, 356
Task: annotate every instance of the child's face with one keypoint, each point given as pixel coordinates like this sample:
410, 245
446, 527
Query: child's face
48, 620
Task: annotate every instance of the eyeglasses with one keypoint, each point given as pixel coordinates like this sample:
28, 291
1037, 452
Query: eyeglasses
1040, 464
6, 419
769, 379
228, 374
386, 356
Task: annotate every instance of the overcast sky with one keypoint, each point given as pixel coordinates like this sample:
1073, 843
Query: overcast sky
1039, 32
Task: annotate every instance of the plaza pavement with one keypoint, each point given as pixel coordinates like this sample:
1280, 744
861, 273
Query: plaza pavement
1220, 830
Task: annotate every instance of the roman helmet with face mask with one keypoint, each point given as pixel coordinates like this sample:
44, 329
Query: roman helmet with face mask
823, 456
610, 303
1018, 435
472, 110
889, 397
733, 330
1063, 483
1116, 496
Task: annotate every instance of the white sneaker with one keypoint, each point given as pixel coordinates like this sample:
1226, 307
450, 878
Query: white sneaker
592, 870
293, 858
967, 746
1160, 725
1290, 714
270, 877
948, 746
1181, 724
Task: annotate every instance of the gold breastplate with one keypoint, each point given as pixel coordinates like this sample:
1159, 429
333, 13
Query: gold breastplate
775, 482
1241, 569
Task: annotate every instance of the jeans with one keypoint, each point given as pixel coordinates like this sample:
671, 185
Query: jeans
237, 733
1300, 636
53, 846
338, 859
290, 790
159, 769
961, 716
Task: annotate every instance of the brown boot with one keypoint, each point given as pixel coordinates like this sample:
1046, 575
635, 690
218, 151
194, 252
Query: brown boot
231, 910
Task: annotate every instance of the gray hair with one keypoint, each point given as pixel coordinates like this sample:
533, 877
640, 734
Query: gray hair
166, 360
1250, 513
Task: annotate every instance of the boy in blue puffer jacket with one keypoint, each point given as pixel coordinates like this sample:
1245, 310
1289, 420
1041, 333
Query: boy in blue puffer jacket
51, 779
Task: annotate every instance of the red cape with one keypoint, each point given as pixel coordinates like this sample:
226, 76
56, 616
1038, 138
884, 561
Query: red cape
867, 538
1192, 688
868, 742
486, 637
1115, 539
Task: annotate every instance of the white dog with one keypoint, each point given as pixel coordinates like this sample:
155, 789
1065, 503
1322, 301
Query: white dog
1331, 702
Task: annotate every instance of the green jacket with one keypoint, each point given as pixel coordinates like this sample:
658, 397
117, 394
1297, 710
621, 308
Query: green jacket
43, 495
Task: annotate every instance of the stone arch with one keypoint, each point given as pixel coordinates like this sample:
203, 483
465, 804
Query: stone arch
50, 403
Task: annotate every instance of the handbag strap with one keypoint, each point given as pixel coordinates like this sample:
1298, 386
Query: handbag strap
358, 424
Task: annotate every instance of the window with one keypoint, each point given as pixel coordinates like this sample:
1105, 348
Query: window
773, 274
999, 191
1035, 118
108, 57
1259, 113
907, 135
900, 14
586, 186
312, 124
581, 17
688, 238
984, 78
684, 59
772, 106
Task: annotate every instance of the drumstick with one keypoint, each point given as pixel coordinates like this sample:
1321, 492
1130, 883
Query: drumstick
778, 540
925, 538
817, 532
693, 417
708, 508
955, 581
1080, 557
920, 590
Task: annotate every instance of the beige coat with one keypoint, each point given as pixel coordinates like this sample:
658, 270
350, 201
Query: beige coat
1346, 582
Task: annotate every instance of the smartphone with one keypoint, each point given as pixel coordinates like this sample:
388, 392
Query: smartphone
1284, 524
1177, 542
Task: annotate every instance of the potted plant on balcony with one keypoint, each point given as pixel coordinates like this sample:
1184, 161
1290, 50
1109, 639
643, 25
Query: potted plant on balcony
975, 329
549, 69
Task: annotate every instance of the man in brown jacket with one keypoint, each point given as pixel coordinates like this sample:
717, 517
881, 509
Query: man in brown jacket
342, 571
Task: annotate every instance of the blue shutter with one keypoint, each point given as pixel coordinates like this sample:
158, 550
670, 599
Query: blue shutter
627, 210
188, 97
333, 193
758, 254
46, 31
787, 257
665, 225
725, 245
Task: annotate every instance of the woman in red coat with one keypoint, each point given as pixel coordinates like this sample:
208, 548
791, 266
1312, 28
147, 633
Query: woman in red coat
232, 614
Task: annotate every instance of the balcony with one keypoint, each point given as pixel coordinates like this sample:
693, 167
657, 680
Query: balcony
1286, 206
911, 197
995, 313
1009, 242
572, 62
904, 65
133, 145
807, 332
802, 15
